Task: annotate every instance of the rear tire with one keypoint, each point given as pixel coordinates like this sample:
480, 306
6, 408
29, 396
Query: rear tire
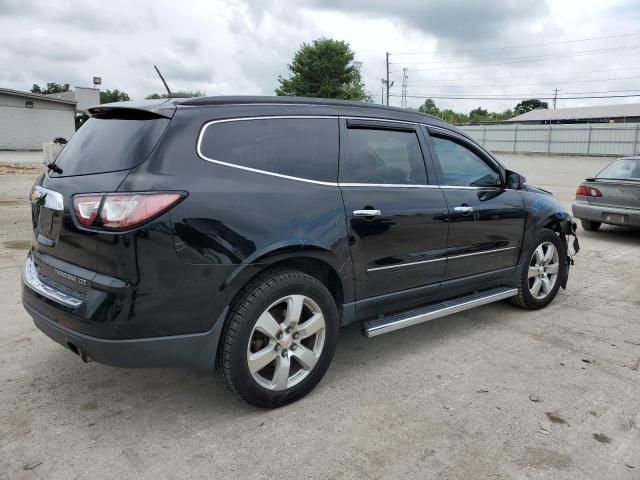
542, 272
278, 339
589, 225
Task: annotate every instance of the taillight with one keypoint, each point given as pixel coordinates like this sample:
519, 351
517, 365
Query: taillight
122, 211
587, 191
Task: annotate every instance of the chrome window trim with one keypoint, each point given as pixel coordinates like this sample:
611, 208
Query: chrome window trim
389, 185
452, 257
46, 198
319, 182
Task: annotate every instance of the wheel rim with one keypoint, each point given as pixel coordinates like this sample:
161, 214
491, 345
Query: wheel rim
543, 270
286, 342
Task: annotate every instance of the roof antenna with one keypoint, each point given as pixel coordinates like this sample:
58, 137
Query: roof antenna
165, 83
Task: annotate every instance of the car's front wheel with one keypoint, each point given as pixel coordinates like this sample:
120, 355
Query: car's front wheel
542, 273
278, 339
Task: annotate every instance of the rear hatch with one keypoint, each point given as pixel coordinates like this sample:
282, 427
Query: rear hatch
96, 160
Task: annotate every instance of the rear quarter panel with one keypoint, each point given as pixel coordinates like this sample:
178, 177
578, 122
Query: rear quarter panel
235, 223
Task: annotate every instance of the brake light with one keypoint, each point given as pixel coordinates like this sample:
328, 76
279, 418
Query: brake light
87, 207
122, 211
587, 191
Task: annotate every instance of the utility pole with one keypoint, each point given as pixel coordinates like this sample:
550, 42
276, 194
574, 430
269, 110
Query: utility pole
382, 92
555, 96
403, 102
387, 82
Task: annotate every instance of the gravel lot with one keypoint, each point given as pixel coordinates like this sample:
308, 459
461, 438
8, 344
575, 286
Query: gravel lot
491, 393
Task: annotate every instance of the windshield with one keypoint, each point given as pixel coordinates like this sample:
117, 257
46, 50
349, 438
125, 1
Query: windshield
625, 168
107, 143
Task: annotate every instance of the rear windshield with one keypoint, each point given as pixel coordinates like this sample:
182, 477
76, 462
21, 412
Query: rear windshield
106, 144
627, 168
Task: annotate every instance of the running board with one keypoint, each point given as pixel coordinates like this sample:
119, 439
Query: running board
378, 326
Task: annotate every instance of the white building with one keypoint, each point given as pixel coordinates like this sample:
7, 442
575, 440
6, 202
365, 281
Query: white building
28, 120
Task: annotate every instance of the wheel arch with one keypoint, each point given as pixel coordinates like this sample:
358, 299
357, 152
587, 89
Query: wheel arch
335, 273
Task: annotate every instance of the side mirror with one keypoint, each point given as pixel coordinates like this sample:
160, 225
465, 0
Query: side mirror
515, 181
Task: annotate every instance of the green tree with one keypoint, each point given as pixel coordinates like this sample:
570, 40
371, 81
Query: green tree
528, 105
429, 106
110, 96
178, 93
478, 114
51, 88
324, 68
81, 118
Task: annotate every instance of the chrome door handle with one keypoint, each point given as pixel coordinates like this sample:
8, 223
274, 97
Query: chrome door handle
366, 213
465, 209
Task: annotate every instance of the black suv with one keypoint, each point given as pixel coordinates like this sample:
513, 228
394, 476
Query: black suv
240, 233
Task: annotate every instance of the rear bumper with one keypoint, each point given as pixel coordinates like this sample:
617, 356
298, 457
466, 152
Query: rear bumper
197, 350
586, 211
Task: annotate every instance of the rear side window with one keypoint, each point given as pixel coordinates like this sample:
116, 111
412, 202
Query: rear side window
297, 147
627, 168
382, 156
106, 144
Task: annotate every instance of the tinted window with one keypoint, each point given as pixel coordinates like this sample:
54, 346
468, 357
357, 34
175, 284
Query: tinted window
622, 169
462, 167
106, 144
304, 148
382, 156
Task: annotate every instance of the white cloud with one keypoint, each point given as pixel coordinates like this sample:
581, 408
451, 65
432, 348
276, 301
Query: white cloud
240, 47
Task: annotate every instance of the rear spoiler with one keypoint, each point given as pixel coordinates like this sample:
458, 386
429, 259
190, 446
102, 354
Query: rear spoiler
614, 180
153, 108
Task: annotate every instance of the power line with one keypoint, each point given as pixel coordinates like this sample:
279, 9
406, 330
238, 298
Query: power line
515, 98
462, 85
521, 46
509, 77
478, 63
560, 95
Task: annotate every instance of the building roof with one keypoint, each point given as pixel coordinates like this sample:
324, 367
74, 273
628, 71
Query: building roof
580, 113
35, 96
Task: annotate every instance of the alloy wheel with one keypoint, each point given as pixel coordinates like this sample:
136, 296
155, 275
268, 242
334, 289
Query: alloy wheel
286, 342
543, 270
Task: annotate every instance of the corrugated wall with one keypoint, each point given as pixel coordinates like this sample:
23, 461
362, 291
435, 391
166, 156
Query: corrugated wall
579, 139
29, 128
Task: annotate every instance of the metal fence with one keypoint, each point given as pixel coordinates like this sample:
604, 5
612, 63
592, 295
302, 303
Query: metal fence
580, 139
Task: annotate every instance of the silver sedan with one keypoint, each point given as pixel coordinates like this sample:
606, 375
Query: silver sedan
612, 196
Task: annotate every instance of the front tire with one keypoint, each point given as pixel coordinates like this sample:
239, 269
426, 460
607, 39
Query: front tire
589, 225
542, 272
279, 338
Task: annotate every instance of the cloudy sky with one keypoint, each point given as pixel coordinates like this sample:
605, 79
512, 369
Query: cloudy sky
450, 48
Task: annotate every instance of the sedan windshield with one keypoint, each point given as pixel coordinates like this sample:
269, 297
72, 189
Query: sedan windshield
625, 168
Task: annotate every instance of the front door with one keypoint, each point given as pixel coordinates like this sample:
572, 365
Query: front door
486, 220
397, 221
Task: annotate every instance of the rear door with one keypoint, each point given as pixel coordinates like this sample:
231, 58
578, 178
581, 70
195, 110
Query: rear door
396, 219
486, 220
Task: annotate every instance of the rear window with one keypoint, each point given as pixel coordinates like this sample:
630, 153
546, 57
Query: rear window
628, 168
106, 144
298, 147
